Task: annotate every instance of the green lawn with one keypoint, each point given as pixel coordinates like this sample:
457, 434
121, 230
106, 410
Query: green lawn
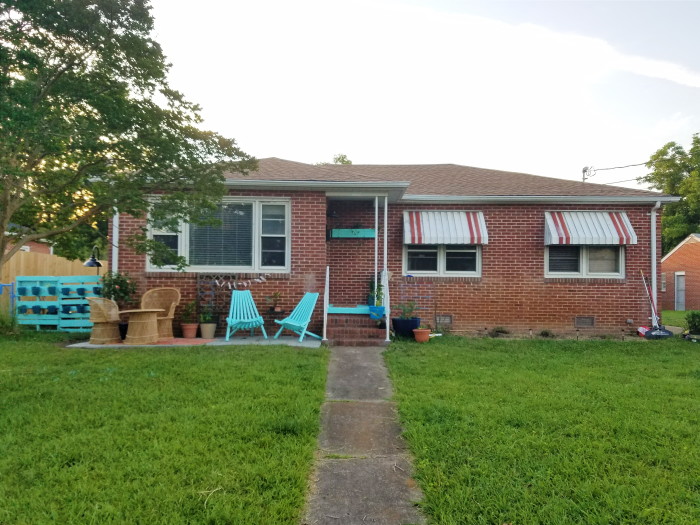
674, 318
157, 436
555, 432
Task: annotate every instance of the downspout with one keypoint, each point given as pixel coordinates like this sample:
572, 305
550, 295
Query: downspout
653, 253
114, 263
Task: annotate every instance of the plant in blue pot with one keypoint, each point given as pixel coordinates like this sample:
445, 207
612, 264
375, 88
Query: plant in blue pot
406, 322
376, 301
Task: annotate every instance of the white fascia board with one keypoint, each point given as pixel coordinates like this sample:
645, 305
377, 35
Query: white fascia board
536, 199
394, 190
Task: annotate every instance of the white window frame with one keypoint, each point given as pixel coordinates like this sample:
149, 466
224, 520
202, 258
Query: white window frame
442, 260
584, 273
257, 202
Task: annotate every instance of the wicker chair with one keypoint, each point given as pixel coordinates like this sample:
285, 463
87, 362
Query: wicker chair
165, 299
104, 314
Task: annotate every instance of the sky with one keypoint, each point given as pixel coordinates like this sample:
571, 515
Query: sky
540, 87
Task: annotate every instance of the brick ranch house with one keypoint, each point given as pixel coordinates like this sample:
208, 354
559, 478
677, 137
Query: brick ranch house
474, 248
680, 275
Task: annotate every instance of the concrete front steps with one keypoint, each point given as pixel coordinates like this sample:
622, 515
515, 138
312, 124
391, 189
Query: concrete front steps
354, 330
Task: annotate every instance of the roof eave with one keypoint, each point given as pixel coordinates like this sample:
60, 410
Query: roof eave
394, 190
539, 199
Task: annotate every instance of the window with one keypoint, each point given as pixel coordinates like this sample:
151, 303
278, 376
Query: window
584, 261
251, 235
663, 282
442, 259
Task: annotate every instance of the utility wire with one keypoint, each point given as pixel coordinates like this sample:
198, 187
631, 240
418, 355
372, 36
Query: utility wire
620, 167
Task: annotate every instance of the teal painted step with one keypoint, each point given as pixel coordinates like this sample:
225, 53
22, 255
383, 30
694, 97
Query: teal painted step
357, 233
360, 309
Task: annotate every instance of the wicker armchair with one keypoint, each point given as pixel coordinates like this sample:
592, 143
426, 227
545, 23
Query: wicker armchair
104, 314
165, 299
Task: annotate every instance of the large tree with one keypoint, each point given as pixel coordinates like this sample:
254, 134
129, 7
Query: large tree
89, 124
677, 172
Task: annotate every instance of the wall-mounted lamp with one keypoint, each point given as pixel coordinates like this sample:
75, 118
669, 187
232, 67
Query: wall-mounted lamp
92, 262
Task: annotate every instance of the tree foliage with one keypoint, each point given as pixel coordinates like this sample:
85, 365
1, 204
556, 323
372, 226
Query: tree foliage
677, 172
89, 124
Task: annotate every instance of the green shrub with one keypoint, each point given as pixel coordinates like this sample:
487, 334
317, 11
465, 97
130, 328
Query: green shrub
8, 324
693, 320
118, 286
497, 331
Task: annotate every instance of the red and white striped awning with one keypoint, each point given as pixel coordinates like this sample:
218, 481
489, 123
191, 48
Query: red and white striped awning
444, 227
588, 227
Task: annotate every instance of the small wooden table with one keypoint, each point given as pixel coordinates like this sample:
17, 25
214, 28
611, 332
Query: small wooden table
143, 326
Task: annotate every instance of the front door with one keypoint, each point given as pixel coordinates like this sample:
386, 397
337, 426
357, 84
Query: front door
680, 291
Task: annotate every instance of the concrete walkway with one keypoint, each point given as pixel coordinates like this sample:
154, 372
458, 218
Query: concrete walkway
363, 470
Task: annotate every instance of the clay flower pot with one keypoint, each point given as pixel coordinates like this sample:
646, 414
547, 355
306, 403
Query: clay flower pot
422, 335
189, 330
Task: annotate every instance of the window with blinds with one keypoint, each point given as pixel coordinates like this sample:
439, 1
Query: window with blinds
244, 235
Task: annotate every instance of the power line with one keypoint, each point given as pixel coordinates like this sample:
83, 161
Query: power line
620, 167
618, 181
590, 171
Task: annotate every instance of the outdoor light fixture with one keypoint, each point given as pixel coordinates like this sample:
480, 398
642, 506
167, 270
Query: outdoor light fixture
92, 262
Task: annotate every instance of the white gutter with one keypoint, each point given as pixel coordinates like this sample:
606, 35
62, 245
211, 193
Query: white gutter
653, 253
535, 199
114, 263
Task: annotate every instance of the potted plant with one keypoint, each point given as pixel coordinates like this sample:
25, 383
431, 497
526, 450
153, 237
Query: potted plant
273, 300
422, 334
189, 322
119, 287
406, 322
375, 301
207, 321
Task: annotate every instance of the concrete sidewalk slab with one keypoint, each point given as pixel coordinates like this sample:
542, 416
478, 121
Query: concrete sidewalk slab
360, 428
357, 373
363, 471
362, 491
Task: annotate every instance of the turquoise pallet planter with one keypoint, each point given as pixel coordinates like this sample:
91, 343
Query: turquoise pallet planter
353, 233
58, 302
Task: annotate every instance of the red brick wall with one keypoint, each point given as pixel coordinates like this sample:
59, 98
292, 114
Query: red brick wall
308, 257
685, 259
512, 291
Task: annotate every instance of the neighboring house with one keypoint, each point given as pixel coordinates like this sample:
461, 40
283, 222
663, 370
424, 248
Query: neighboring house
475, 248
680, 276
34, 246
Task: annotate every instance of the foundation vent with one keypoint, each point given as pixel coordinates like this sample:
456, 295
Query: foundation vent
584, 321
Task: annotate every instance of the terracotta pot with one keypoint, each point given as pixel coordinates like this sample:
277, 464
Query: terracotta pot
207, 330
189, 330
422, 335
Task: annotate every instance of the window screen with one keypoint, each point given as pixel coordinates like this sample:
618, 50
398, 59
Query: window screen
564, 259
227, 244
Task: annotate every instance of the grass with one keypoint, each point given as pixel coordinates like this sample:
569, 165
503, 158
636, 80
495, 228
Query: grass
556, 432
674, 318
158, 436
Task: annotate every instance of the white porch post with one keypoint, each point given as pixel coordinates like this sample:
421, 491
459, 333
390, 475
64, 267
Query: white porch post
376, 246
387, 307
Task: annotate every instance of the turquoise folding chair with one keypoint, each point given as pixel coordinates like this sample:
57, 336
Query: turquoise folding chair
243, 314
300, 317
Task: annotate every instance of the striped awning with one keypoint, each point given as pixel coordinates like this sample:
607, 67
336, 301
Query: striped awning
444, 227
588, 227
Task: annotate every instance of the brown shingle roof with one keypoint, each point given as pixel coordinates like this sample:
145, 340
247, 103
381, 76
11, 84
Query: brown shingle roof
450, 180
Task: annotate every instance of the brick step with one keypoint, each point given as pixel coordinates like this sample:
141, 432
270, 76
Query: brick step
355, 332
357, 342
351, 320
